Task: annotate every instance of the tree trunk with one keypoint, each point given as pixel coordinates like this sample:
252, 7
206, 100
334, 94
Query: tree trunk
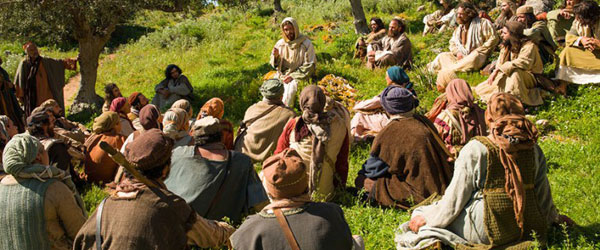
360, 22
277, 6
87, 100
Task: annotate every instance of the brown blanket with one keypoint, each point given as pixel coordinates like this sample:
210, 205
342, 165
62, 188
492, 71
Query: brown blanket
418, 164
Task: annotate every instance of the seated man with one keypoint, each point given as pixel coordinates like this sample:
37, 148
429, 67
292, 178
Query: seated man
263, 123
580, 60
73, 130
441, 19
294, 59
471, 44
214, 181
136, 102
174, 87
370, 118
560, 21
319, 137
37, 210
517, 65
462, 119
408, 162
313, 225
40, 124
491, 201
139, 217
366, 43
395, 48
537, 32
508, 10
99, 167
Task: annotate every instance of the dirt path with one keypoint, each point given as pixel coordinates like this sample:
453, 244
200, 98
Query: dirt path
70, 89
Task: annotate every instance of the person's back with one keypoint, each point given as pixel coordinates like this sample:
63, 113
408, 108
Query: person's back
314, 225
147, 219
215, 188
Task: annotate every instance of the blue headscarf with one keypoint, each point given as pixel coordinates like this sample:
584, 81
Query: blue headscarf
396, 99
398, 76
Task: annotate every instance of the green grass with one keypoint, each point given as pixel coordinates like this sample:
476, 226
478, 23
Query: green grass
225, 53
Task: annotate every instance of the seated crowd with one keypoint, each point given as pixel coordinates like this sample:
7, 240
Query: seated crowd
478, 176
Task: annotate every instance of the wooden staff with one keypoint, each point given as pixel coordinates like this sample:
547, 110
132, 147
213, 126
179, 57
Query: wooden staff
120, 159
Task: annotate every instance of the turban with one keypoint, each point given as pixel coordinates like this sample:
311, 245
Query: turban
105, 122
397, 75
174, 123
185, 105
213, 107
149, 115
117, 104
395, 100
272, 89
149, 150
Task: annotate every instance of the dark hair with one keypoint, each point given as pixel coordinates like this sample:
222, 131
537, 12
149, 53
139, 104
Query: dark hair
469, 9
379, 23
401, 24
516, 41
206, 139
37, 129
587, 12
108, 92
169, 69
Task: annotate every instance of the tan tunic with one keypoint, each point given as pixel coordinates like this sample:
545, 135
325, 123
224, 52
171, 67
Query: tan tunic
339, 131
396, 51
516, 76
63, 216
260, 139
481, 41
577, 64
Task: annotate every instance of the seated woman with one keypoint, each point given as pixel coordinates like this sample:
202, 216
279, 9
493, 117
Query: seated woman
136, 101
313, 225
216, 108
408, 162
120, 106
98, 166
175, 86
440, 102
214, 181
499, 194
462, 119
149, 118
370, 118
187, 106
176, 127
111, 91
319, 138
364, 43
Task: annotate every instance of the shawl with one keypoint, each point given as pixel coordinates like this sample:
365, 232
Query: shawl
185, 105
312, 104
18, 157
149, 116
213, 107
174, 123
288, 203
471, 117
473, 38
118, 105
290, 53
105, 122
272, 89
512, 133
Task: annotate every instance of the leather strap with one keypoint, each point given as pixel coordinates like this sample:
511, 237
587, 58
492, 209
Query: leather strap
99, 224
287, 231
218, 195
245, 124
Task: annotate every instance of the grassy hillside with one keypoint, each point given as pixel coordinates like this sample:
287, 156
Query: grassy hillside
225, 53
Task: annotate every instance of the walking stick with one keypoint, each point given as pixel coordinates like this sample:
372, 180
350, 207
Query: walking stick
120, 159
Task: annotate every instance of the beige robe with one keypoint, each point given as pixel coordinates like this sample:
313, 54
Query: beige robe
260, 138
516, 76
577, 64
395, 51
325, 189
481, 41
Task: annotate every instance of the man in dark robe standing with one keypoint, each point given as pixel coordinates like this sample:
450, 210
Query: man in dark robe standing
9, 105
41, 78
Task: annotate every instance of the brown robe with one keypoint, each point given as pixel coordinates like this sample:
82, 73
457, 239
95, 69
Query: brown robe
418, 165
99, 167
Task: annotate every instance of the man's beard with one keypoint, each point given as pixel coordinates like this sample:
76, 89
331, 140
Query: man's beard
507, 13
392, 33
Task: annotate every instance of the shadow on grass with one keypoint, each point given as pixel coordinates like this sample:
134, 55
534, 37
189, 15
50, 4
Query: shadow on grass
562, 237
126, 33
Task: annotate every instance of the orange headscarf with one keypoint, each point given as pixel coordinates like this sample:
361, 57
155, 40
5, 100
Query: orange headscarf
512, 132
213, 107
